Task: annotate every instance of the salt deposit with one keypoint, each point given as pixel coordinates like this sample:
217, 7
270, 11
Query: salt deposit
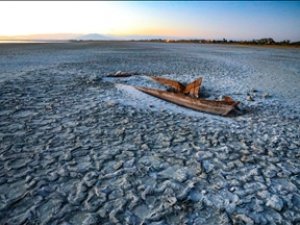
79, 148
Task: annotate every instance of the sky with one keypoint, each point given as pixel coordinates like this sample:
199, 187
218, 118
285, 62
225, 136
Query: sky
238, 20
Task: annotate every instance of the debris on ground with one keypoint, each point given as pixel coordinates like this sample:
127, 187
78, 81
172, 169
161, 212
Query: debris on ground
188, 96
191, 89
250, 98
122, 74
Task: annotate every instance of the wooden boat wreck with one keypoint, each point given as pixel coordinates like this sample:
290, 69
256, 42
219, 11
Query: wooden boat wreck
219, 107
191, 89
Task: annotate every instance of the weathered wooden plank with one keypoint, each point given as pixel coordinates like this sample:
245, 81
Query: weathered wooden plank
219, 107
177, 86
191, 89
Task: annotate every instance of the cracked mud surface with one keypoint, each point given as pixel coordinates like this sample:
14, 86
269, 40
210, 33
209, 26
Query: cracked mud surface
78, 148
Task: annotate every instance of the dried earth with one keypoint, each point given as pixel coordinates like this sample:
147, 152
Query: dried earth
79, 148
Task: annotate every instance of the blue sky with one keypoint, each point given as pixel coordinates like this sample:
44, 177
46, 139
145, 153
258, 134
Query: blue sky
236, 20
186, 19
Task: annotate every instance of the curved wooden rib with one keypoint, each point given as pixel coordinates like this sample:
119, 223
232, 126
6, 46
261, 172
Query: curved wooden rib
191, 89
177, 86
222, 107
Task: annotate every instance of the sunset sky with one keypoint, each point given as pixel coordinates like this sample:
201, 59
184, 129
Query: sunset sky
231, 20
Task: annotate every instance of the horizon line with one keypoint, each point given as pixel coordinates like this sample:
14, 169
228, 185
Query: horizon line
111, 37
196, 41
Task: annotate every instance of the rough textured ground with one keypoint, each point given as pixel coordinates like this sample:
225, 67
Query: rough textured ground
77, 148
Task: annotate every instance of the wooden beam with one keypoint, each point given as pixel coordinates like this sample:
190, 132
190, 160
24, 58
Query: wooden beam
219, 107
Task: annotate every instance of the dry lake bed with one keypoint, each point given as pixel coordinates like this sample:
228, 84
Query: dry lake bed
77, 147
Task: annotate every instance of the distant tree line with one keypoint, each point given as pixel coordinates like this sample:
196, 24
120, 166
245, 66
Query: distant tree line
263, 41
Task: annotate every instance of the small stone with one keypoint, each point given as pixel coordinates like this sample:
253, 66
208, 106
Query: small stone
67, 156
172, 201
181, 175
242, 219
119, 72
266, 137
28, 178
244, 158
53, 176
111, 103
275, 202
250, 98
118, 165
145, 147
208, 166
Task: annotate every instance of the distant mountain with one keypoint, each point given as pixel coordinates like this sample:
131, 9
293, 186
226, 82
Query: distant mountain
143, 37
80, 37
37, 37
95, 37
99, 37
59, 37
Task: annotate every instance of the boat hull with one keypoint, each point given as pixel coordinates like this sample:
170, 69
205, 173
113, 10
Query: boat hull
219, 107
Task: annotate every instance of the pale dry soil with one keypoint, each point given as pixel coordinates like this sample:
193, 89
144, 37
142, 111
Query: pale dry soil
78, 148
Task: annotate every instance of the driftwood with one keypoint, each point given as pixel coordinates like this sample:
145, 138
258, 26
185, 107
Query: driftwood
122, 74
219, 107
191, 89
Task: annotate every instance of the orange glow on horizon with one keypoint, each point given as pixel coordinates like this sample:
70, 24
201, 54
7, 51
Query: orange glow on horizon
106, 18
148, 31
117, 19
